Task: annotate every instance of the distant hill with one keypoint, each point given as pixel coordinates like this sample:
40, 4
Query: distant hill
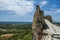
15, 22
56, 22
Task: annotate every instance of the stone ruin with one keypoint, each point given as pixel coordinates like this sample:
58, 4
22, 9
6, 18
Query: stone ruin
39, 23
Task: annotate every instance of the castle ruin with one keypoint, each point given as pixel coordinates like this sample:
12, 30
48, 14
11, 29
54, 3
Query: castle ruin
39, 26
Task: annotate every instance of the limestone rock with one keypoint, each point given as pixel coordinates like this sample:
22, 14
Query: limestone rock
49, 18
37, 24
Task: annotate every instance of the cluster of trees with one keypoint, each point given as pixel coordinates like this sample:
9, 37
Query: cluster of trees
20, 31
15, 26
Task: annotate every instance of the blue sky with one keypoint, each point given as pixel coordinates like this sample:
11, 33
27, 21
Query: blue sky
23, 10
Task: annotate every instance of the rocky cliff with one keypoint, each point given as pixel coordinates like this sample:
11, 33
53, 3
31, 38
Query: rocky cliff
38, 23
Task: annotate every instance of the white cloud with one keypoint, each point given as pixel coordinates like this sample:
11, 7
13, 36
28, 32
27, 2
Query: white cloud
21, 7
43, 3
58, 10
54, 11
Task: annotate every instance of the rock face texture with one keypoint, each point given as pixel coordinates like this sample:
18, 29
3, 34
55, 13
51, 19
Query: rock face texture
38, 23
48, 17
43, 28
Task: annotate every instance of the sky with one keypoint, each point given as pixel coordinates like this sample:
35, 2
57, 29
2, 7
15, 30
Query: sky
23, 10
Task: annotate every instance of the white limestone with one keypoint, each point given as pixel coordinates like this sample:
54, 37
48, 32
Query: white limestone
53, 29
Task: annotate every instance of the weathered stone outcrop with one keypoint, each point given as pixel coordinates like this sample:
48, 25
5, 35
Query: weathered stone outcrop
48, 17
38, 23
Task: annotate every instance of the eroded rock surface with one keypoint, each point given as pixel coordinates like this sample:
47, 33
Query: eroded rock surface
42, 26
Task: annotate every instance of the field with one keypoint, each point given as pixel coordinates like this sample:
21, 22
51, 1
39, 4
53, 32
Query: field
15, 32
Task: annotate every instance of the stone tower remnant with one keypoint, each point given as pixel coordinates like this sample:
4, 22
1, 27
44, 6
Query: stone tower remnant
37, 24
43, 28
